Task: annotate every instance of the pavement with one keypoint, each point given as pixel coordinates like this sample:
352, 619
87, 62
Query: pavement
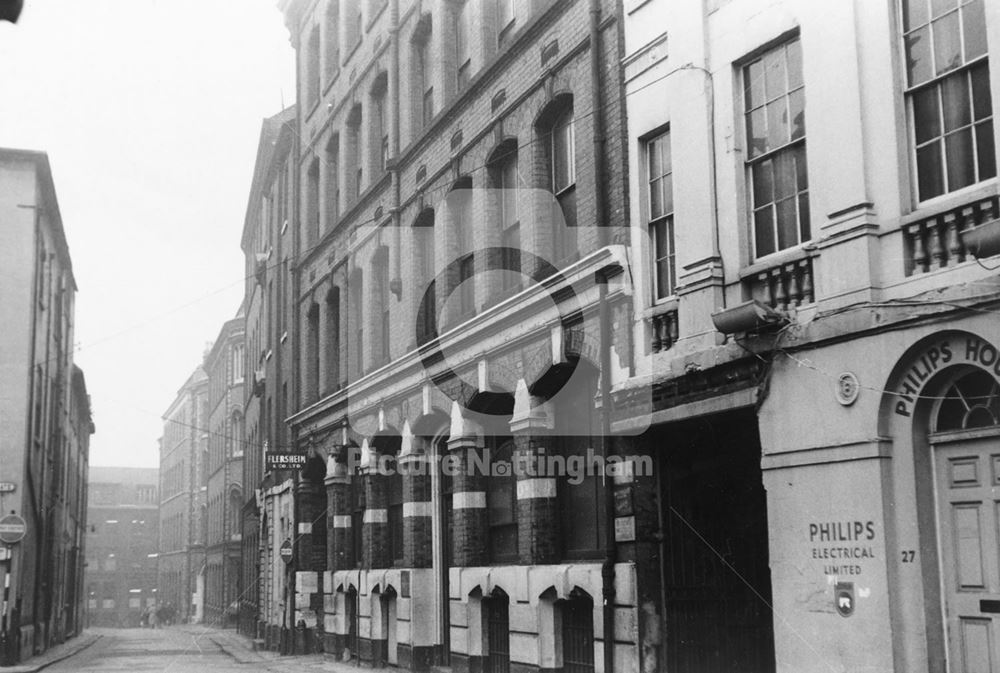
174, 649
55, 654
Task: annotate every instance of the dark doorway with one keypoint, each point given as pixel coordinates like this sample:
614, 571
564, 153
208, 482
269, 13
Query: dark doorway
717, 582
496, 612
578, 634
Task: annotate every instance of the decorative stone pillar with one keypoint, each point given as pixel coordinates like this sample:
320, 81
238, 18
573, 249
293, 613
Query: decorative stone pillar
417, 509
468, 500
375, 529
531, 425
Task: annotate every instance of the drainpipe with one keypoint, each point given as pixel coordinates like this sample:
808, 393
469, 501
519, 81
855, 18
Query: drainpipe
608, 566
598, 122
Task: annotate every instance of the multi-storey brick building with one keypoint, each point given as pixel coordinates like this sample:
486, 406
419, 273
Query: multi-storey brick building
267, 246
225, 366
460, 255
122, 542
44, 415
183, 506
823, 492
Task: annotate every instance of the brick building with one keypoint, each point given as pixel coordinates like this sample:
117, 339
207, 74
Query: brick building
225, 368
183, 504
44, 412
267, 246
122, 544
448, 153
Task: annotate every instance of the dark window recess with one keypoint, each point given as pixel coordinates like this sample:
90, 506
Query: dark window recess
497, 609
501, 504
421, 174
456, 140
578, 635
396, 516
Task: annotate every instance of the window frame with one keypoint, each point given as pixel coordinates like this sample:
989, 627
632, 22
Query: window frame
771, 154
565, 194
498, 448
936, 82
656, 221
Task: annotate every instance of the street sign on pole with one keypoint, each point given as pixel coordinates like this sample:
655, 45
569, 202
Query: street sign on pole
12, 529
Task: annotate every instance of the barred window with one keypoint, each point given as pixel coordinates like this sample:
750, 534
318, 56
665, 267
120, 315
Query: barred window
948, 94
774, 110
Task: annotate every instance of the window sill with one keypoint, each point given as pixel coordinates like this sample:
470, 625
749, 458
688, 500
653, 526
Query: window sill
802, 251
660, 307
951, 200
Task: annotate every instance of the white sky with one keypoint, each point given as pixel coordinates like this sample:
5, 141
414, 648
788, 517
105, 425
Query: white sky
150, 111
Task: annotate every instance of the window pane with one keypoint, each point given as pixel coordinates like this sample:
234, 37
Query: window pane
797, 114
801, 170
655, 165
929, 177
774, 73
974, 21
660, 248
981, 103
794, 54
939, 7
961, 167
914, 13
986, 151
918, 56
784, 175
763, 186
947, 43
663, 285
763, 231
926, 114
955, 101
753, 85
777, 124
656, 199
668, 193
788, 224
804, 228
757, 132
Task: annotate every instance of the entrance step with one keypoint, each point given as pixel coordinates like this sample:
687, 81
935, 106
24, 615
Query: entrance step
258, 644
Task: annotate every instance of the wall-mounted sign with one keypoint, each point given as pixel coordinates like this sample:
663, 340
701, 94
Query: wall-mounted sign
12, 529
7, 487
286, 551
625, 529
285, 461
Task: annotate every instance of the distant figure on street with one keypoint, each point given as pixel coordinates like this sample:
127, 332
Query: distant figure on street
154, 617
144, 617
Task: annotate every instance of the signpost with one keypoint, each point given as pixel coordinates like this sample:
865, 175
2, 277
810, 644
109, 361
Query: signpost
12, 529
286, 551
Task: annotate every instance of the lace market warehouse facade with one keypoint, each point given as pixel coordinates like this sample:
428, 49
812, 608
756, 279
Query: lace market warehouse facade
823, 459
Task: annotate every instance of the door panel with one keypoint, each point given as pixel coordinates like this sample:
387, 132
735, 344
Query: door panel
968, 501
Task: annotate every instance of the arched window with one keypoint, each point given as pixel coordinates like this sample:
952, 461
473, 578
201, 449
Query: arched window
354, 179
382, 300
501, 501
332, 339
332, 64
503, 174
312, 70
312, 204
581, 497
332, 169
355, 308
561, 148
378, 141
422, 84
424, 273
311, 362
972, 401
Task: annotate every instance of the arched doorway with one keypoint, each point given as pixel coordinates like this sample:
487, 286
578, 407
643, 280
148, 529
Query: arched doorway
496, 618
964, 441
388, 599
578, 633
